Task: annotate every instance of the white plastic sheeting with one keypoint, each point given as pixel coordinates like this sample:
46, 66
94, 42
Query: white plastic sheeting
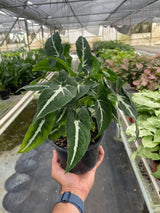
69, 14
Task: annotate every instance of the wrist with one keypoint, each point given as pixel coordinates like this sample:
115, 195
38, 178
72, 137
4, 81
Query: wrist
65, 207
76, 201
80, 193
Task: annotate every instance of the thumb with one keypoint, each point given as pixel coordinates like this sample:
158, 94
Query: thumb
100, 157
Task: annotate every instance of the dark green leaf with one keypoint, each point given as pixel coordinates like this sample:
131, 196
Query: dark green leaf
37, 87
42, 65
119, 85
56, 96
60, 116
84, 54
85, 117
110, 75
68, 58
96, 66
103, 110
78, 139
82, 90
53, 46
114, 115
127, 106
64, 65
37, 133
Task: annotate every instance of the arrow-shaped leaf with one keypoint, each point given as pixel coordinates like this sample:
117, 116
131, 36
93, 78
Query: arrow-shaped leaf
125, 102
57, 95
37, 87
127, 106
53, 46
103, 110
78, 139
84, 53
84, 117
54, 98
82, 90
37, 133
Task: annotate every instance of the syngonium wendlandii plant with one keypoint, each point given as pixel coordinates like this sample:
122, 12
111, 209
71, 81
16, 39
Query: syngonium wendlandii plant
69, 102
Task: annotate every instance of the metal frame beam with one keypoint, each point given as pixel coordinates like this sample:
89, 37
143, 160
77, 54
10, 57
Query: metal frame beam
40, 4
131, 12
94, 21
11, 27
27, 33
71, 8
116, 9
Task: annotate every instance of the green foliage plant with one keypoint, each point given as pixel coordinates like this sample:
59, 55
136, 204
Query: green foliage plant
16, 68
69, 103
103, 45
4, 76
116, 56
148, 106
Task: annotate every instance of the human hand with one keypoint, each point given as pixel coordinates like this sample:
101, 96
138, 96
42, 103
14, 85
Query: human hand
77, 184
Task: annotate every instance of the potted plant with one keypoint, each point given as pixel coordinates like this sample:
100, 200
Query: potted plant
149, 79
148, 106
4, 79
76, 107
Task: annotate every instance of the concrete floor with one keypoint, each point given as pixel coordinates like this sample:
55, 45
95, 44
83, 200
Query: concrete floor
7, 168
30, 189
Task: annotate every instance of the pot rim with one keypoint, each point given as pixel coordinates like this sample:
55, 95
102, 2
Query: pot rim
90, 147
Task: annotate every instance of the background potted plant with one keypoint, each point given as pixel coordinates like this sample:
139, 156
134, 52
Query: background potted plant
4, 79
76, 106
148, 105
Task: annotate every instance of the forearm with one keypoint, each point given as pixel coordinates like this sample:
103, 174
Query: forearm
74, 188
70, 202
65, 207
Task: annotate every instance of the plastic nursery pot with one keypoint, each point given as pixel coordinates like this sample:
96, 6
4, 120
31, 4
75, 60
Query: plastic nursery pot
16, 88
5, 94
86, 163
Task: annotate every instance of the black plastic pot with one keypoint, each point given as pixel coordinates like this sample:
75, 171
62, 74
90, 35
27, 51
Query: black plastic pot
17, 91
14, 89
86, 163
5, 94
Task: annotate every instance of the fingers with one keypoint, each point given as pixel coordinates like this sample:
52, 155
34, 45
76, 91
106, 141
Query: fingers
55, 163
56, 167
55, 156
100, 157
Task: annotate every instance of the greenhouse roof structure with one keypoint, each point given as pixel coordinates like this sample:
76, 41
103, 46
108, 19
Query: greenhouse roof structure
69, 14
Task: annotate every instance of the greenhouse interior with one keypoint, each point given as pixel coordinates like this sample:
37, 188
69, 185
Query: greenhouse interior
79, 106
